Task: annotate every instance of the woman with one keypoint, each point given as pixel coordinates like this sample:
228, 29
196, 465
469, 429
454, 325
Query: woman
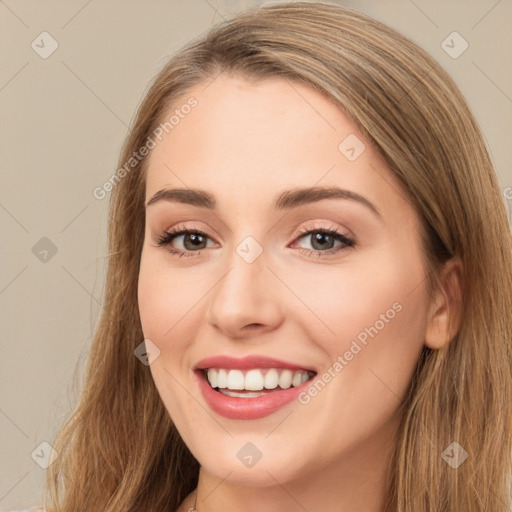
242, 364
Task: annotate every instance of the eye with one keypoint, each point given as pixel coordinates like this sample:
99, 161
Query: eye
322, 241
193, 240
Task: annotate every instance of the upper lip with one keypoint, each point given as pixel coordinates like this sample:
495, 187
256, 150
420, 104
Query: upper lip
248, 362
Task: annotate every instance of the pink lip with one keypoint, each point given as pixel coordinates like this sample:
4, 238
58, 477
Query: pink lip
245, 408
247, 363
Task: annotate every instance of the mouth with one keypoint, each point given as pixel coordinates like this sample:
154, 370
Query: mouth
255, 382
250, 387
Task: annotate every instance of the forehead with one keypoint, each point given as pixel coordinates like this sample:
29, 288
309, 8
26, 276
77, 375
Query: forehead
255, 138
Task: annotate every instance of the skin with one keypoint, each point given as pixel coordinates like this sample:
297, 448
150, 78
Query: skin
245, 142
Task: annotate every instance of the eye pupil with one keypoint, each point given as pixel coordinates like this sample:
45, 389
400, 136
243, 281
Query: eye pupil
195, 238
321, 238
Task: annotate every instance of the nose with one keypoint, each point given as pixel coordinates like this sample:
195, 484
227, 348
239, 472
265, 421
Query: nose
246, 301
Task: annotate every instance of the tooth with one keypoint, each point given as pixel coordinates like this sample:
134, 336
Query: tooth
212, 377
297, 379
254, 380
222, 379
285, 379
271, 379
247, 394
235, 379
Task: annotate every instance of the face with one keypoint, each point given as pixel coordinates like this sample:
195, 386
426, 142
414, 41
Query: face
333, 284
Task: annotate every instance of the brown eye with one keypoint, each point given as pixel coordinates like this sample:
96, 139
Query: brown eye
192, 241
322, 241
195, 241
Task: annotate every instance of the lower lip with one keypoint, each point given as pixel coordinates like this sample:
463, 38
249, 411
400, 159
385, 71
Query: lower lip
247, 408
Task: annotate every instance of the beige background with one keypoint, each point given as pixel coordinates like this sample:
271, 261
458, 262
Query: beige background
63, 121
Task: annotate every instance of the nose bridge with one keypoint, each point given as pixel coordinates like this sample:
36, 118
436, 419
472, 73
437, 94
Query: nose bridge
244, 295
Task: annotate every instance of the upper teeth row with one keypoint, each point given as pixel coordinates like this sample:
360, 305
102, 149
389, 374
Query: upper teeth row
254, 380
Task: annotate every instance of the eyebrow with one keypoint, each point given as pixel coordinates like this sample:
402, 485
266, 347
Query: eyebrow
286, 200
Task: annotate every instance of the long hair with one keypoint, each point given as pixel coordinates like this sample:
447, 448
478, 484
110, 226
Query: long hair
119, 449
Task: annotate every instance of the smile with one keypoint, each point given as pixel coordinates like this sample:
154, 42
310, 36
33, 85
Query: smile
250, 387
255, 382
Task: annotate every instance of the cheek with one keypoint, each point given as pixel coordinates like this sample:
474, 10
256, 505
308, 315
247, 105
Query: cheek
369, 323
167, 301
374, 311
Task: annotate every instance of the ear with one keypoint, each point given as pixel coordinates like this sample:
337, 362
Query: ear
444, 316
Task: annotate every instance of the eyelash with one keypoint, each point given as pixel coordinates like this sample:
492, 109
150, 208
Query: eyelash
168, 236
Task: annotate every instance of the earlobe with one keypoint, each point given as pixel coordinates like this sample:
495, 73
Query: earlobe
445, 312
